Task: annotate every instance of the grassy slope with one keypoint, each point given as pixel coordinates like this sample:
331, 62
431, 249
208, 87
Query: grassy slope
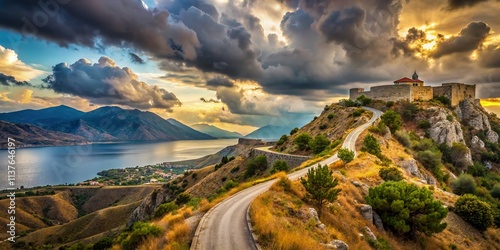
344, 222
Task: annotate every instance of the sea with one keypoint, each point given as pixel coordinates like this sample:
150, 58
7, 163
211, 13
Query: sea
72, 164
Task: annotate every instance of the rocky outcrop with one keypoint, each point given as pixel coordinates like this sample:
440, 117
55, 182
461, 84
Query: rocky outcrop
412, 168
377, 221
473, 115
476, 143
367, 212
149, 205
370, 234
443, 129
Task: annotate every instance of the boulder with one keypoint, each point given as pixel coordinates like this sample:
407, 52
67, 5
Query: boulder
337, 244
313, 214
388, 134
443, 130
476, 143
370, 234
377, 221
367, 212
361, 185
492, 136
321, 226
411, 167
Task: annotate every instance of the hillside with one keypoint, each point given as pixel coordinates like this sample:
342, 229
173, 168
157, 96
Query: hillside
443, 143
215, 131
32, 136
72, 213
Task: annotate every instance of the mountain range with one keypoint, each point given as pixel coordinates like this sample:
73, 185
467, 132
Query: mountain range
215, 131
104, 124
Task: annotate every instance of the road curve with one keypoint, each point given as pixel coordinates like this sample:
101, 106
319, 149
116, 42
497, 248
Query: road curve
225, 226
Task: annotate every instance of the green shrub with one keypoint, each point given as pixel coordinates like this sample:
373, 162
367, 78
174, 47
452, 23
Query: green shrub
279, 166
348, 103
407, 209
449, 118
363, 100
443, 99
390, 174
294, 130
165, 208
139, 232
476, 212
230, 185
495, 191
464, 184
477, 169
429, 159
182, 199
380, 244
358, 112
282, 140
389, 104
319, 143
371, 145
302, 141
403, 138
103, 244
330, 116
258, 163
392, 119
323, 126
345, 155
425, 124
410, 110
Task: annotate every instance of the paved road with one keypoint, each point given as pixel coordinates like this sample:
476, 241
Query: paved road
225, 225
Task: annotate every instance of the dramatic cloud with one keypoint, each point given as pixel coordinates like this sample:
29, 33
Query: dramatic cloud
469, 39
211, 100
105, 83
220, 82
457, 4
490, 57
11, 66
94, 23
135, 58
11, 81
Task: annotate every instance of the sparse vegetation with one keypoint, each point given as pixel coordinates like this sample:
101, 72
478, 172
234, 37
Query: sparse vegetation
319, 143
330, 116
302, 141
390, 174
294, 130
442, 99
320, 185
358, 112
256, 164
139, 232
165, 208
363, 100
476, 212
407, 209
371, 145
345, 155
279, 166
282, 140
464, 184
392, 119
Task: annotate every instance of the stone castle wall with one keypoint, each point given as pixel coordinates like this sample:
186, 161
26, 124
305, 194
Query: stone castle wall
456, 92
423, 93
293, 161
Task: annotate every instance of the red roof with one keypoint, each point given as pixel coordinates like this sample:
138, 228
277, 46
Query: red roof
406, 79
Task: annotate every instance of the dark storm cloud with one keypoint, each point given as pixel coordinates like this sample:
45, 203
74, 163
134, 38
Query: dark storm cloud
176, 6
94, 23
135, 58
105, 83
490, 57
220, 82
458, 4
403, 46
469, 39
7, 80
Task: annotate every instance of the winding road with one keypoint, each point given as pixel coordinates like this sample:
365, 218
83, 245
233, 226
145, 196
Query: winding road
225, 226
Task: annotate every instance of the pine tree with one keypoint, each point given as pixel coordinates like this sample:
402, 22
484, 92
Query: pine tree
320, 185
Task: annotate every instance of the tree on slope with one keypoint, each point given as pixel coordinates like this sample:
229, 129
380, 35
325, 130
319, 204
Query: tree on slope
320, 185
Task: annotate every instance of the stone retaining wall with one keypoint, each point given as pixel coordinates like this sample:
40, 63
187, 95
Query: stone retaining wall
293, 161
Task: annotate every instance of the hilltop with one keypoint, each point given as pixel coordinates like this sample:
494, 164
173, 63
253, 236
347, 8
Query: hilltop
215, 131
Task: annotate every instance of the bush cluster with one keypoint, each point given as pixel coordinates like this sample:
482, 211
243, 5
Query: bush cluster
478, 213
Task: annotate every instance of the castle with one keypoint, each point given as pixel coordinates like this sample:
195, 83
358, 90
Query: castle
413, 90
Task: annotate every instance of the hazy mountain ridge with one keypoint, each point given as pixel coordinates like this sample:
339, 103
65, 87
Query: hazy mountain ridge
269, 132
215, 131
27, 135
102, 124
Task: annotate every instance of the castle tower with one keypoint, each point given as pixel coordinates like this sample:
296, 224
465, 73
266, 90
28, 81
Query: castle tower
414, 76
